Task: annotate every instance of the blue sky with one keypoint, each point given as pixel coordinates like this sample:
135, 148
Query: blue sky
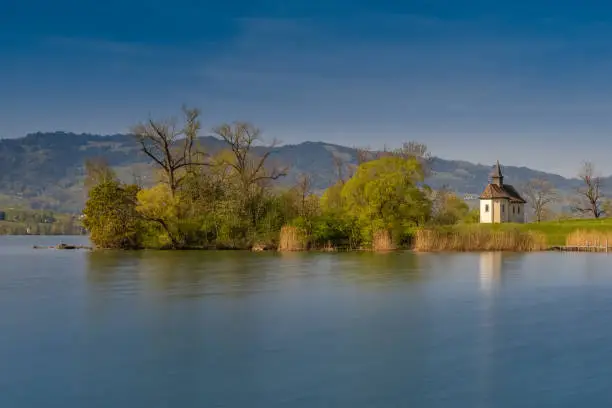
525, 82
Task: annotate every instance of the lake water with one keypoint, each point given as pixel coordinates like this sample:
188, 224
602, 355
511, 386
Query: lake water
233, 329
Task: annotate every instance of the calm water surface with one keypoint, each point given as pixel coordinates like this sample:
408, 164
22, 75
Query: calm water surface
204, 329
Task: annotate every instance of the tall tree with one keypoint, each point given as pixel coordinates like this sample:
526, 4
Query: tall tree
383, 195
250, 168
304, 190
540, 194
589, 195
172, 147
250, 173
340, 166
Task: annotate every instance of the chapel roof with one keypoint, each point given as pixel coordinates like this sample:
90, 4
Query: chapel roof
498, 189
506, 191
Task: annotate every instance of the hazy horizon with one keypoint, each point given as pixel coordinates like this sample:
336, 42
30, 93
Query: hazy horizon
522, 82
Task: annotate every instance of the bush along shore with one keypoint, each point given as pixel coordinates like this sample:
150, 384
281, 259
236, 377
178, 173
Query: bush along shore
230, 199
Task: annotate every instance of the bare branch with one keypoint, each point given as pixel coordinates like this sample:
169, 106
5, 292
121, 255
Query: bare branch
409, 150
590, 195
339, 163
540, 194
97, 171
250, 168
171, 147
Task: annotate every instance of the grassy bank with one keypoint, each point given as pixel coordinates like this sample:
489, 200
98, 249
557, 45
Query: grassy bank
515, 237
557, 232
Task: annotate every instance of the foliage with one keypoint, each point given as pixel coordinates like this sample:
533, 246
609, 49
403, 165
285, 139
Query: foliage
447, 209
384, 195
161, 209
111, 217
230, 197
471, 217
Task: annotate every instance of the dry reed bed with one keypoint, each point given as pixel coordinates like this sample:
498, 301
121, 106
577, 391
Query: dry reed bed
292, 239
589, 238
382, 241
295, 239
431, 240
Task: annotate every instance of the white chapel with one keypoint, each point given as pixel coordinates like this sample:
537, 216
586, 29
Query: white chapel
501, 202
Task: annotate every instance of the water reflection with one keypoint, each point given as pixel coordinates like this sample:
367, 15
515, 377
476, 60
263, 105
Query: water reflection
196, 273
497, 267
490, 270
380, 268
181, 273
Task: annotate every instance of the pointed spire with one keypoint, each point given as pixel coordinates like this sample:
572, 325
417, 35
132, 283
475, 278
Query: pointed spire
496, 175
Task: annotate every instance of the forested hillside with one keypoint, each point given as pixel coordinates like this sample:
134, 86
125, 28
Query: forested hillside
45, 170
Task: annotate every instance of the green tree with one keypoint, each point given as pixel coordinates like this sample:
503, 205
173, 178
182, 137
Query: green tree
111, 216
159, 206
448, 208
472, 217
384, 195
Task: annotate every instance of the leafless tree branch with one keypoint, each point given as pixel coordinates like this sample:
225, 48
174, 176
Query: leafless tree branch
590, 193
540, 194
172, 147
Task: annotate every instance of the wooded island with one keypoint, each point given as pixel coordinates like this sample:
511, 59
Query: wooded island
231, 200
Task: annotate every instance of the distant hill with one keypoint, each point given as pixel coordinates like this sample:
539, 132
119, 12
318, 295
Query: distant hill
45, 170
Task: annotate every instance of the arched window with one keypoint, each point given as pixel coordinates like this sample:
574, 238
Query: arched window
519, 209
503, 208
486, 207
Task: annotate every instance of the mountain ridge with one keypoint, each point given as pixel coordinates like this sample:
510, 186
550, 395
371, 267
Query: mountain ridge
45, 169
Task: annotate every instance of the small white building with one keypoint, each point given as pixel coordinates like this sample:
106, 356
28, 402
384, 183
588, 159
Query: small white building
501, 202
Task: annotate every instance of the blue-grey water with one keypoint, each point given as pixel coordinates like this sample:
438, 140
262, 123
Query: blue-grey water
231, 329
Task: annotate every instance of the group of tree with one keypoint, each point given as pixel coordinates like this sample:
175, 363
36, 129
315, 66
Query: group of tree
588, 201
231, 199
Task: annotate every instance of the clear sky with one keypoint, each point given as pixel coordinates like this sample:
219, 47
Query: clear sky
525, 82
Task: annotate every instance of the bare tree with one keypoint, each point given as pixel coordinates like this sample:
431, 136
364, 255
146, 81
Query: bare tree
339, 164
304, 189
590, 195
540, 194
409, 150
250, 172
363, 155
251, 169
366, 154
172, 147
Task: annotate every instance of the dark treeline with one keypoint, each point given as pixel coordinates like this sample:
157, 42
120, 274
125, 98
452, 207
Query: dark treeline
31, 222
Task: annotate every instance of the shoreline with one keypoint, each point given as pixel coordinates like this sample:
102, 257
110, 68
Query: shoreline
555, 248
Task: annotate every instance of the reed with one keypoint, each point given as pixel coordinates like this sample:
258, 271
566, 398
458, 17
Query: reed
382, 241
589, 238
478, 239
328, 247
292, 239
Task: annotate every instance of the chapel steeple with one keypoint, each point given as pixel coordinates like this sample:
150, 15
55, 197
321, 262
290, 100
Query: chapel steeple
496, 176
